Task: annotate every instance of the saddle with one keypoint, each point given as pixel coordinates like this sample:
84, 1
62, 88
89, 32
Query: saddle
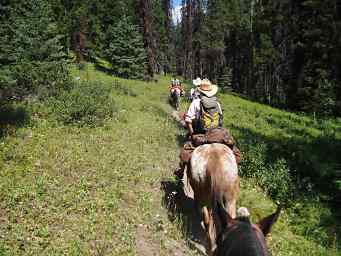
215, 135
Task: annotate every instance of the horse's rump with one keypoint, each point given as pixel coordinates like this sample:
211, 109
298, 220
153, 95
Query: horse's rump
175, 91
213, 175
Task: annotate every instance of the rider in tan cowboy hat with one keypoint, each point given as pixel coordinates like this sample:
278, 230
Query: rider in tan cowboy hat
207, 88
203, 110
204, 123
207, 99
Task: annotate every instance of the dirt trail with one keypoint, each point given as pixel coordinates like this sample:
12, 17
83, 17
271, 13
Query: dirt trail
178, 200
178, 117
183, 199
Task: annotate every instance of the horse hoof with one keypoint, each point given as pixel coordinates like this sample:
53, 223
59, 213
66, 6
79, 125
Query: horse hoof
203, 225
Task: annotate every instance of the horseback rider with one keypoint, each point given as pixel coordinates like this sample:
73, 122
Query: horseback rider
204, 120
176, 85
205, 111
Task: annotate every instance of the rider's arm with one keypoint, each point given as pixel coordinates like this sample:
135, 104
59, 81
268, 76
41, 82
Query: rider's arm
192, 113
190, 128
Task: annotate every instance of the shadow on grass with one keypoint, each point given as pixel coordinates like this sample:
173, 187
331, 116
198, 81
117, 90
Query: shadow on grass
181, 139
316, 159
103, 69
183, 210
314, 165
12, 118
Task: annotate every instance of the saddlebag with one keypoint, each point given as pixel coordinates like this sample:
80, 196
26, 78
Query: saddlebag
215, 135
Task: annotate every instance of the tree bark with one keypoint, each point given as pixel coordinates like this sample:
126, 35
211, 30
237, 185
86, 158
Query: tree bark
146, 23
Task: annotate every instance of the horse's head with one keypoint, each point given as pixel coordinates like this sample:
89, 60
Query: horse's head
240, 237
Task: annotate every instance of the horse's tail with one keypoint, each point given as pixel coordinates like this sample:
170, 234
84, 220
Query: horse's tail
223, 215
217, 190
220, 195
219, 208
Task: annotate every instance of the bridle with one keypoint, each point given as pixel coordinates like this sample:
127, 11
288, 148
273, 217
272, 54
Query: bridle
234, 234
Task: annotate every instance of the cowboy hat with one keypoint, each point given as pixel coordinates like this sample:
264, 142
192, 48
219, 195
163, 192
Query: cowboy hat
207, 88
197, 81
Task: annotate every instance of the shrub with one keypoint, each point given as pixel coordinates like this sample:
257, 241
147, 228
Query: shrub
120, 89
43, 79
85, 104
12, 116
274, 178
278, 182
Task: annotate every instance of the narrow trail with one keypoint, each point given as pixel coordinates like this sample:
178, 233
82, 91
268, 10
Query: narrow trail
185, 207
176, 115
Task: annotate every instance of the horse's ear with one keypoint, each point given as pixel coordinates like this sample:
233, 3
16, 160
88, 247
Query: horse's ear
224, 216
266, 223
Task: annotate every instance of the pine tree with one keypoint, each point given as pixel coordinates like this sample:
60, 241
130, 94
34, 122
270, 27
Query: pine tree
31, 55
144, 8
125, 50
162, 30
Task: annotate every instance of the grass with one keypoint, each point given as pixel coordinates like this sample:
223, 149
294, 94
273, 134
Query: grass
70, 190
309, 150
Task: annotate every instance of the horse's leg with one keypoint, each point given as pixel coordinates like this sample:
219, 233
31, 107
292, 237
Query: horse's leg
177, 102
205, 219
208, 226
231, 208
196, 205
232, 199
212, 232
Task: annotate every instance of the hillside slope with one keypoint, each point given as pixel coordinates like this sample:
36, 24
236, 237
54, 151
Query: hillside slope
67, 190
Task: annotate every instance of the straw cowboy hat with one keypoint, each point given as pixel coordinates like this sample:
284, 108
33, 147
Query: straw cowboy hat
207, 88
197, 81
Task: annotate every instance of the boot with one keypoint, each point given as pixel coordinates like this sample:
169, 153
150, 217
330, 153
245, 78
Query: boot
179, 173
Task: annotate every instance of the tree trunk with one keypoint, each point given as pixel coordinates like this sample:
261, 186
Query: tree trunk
188, 64
166, 6
79, 40
146, 23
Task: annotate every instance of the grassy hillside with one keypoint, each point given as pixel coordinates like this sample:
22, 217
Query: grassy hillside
101, 190
295, 159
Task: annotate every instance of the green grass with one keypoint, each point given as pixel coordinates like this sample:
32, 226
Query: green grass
70, 190
275, 142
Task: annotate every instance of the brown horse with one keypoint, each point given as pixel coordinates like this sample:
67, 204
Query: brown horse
213, 176
239, 237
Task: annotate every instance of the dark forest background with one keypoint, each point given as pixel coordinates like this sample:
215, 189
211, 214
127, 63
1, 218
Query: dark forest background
284, 53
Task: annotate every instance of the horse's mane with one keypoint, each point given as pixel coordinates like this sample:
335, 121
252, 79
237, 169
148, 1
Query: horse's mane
241, 239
